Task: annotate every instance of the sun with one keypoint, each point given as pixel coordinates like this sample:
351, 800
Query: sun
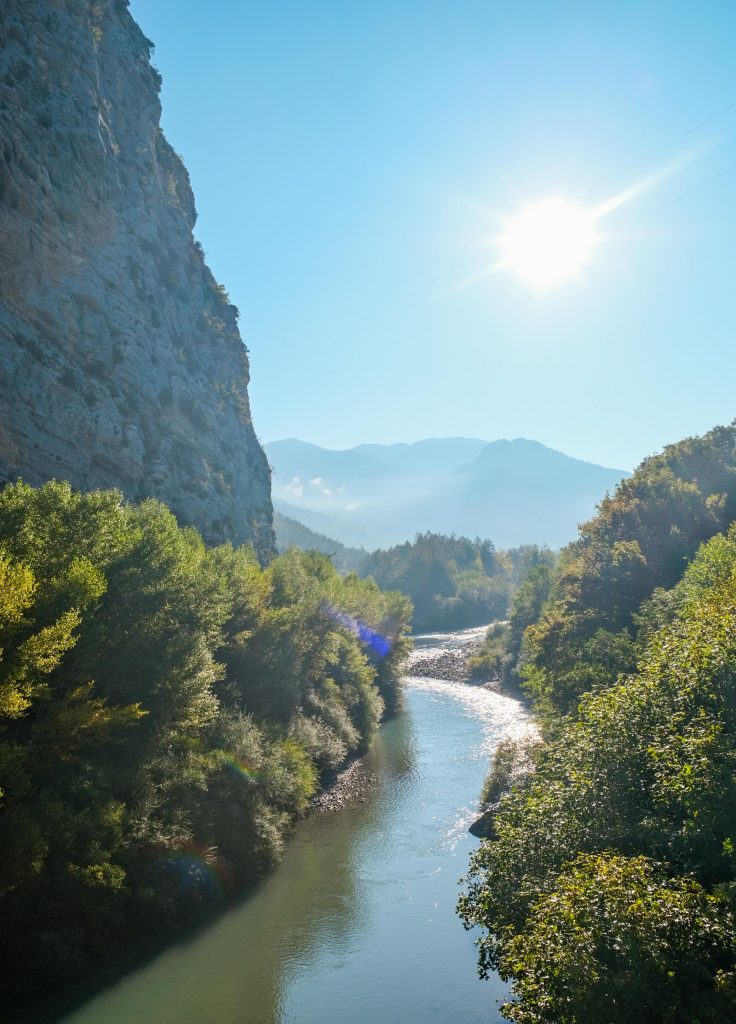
548, 242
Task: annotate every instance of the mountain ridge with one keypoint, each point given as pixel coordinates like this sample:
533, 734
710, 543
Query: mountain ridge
514, 491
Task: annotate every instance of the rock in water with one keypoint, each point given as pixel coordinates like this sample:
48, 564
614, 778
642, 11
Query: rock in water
121, 363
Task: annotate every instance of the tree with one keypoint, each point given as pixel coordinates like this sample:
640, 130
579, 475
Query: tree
629, 808
166, 709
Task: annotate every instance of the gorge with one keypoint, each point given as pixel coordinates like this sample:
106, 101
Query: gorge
234, 788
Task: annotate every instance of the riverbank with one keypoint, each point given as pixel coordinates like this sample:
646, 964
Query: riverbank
452, 664
352, 923
444, 662
354, 782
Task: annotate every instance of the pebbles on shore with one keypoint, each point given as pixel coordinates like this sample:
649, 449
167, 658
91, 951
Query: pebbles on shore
352, 783
451, 666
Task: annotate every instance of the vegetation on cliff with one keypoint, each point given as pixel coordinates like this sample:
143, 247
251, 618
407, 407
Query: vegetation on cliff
166, 709
607, 890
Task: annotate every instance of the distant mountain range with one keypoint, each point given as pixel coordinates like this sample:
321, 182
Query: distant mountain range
513, 492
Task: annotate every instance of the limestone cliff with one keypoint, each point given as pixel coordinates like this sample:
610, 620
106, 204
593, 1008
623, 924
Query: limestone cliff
121, 363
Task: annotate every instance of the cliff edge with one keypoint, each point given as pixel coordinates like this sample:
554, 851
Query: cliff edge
121, 363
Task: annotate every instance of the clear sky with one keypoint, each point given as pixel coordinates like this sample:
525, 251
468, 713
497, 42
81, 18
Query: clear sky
354, 163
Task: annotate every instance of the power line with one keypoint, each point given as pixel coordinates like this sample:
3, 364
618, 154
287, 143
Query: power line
687, 106
350, 327
361, 357
696, 188
700, 124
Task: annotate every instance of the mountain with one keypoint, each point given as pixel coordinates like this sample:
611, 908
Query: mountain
433, 455
121, 363
523, 489
513, 492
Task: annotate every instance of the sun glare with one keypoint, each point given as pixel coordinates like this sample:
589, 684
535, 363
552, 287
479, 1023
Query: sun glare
548, 242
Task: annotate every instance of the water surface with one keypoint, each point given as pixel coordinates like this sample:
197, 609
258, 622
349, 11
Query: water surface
357, 924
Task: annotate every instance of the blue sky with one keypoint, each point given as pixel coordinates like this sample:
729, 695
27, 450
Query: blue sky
352, 162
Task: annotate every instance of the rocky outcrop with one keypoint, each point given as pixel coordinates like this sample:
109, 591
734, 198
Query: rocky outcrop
121, 363
483, 827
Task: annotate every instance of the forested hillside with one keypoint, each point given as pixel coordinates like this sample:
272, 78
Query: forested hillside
166, 709
607, 888
453, 582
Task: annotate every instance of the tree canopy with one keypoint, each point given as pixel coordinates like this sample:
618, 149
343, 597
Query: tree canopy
166, 709
607, 889
453, 582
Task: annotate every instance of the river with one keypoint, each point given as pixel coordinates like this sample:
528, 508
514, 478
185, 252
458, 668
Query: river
357, 924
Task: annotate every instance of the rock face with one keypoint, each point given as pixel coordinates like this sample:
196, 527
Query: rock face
121, 363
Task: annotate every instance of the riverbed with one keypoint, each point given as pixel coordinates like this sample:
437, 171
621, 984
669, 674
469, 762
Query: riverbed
357, 924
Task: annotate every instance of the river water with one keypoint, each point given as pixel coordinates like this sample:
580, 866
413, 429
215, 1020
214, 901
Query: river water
357, 924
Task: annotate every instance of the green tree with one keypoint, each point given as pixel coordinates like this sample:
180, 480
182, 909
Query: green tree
166, 710
645, 768
617, 942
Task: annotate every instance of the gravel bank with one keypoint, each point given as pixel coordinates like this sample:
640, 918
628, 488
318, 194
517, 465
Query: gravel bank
352, 783
442, 664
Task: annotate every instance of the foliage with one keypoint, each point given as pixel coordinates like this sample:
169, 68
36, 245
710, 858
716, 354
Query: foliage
641, 539
453, 582
290, 533
491, 660
166, 710
615, 942
608, 889
511, 761
500, 655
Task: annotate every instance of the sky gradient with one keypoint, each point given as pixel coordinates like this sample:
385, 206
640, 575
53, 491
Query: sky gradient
353, 162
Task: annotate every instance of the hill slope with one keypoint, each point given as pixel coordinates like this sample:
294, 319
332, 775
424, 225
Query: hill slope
290, 533
610, 866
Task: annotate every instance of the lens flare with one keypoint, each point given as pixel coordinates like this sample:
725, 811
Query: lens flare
371, 638
242, 768
198, 873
